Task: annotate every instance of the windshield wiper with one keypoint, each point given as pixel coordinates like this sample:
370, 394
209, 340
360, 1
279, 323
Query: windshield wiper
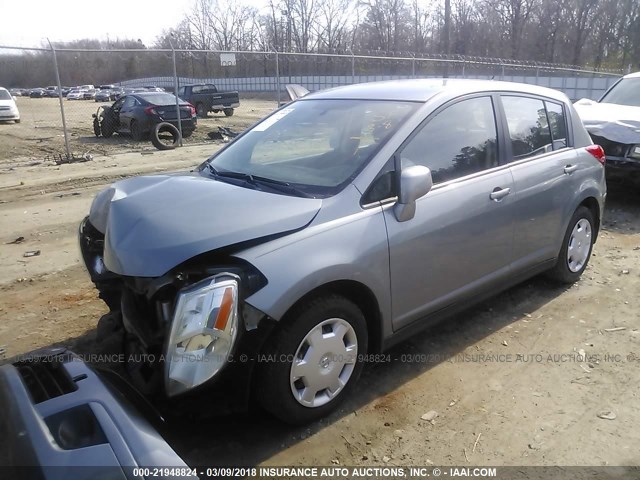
257, 180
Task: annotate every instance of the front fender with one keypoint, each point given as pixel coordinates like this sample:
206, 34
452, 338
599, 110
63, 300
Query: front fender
351, 248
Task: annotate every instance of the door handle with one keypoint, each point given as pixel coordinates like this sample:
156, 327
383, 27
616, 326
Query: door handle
499, 193
569, 169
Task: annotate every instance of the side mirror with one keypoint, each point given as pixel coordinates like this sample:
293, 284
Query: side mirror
415, 182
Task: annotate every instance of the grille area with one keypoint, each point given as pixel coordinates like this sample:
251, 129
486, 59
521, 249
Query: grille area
45, 378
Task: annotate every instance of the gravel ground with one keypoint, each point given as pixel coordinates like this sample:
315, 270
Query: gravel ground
530, 377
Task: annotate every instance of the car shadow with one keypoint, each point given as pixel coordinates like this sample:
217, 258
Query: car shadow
247, 440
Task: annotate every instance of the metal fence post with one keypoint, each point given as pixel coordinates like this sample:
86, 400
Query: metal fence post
278, 77
175, 89
353, 66
413, 65
64, 122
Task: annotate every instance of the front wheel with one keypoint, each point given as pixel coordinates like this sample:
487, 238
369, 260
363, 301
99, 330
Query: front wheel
96, 127
576, 247
228, 112
314, 360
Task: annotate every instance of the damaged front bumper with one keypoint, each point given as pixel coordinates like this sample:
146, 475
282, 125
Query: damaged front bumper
623, 160
62, 420
188, 331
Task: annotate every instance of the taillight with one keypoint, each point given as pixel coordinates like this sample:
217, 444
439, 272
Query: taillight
598, 152
193, 110
150, 110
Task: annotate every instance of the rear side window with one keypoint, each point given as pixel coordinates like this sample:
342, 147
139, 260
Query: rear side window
558, 124
130, 102
458, 141
528, 126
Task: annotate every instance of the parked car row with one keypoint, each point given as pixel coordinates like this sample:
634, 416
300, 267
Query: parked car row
100, 93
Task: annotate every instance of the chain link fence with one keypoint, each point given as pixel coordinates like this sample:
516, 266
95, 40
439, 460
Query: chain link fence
57, 123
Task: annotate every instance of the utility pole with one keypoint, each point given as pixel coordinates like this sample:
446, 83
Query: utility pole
175, 88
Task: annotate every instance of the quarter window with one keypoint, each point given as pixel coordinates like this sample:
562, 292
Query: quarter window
558, 125
458, 141
528, 126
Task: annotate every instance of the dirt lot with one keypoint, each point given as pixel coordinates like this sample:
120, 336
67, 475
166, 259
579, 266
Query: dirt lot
506, 379
39, 135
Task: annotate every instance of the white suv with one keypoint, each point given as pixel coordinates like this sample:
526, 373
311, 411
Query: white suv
8, 107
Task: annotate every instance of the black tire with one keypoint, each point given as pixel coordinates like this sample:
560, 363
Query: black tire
136, 131
107, 127
274, 387
17, 121
158, 132
96, 127
201, 110
228, 112
562, 272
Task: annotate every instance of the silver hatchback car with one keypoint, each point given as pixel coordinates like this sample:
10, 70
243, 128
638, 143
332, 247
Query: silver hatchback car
336, 227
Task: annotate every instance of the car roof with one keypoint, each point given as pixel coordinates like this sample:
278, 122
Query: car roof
632, 75
421, 90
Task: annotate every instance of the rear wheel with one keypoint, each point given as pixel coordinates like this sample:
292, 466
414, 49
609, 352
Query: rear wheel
17, 121
314, 360
228, 112
136, 131
576, 247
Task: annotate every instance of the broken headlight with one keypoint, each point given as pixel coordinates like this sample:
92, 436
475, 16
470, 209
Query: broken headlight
203, 332
634, 152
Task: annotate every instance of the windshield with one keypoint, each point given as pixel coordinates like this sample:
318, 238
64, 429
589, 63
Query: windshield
4, 95
315, 145
625, 92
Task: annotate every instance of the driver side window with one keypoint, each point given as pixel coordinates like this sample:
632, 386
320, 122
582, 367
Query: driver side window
458, 141
119, 103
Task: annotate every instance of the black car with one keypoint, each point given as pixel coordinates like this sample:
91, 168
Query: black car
104, 96
136, 115
37, 93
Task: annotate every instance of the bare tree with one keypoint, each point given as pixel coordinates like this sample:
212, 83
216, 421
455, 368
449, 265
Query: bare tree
334, 24
514, 16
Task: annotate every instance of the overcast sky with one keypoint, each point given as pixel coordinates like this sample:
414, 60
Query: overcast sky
30, 22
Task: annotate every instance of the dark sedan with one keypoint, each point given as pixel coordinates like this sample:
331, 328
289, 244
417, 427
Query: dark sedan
37, 93
104, 96
136, 115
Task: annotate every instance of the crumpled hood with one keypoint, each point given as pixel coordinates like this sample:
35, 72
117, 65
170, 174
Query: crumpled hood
153, 223
618, 123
